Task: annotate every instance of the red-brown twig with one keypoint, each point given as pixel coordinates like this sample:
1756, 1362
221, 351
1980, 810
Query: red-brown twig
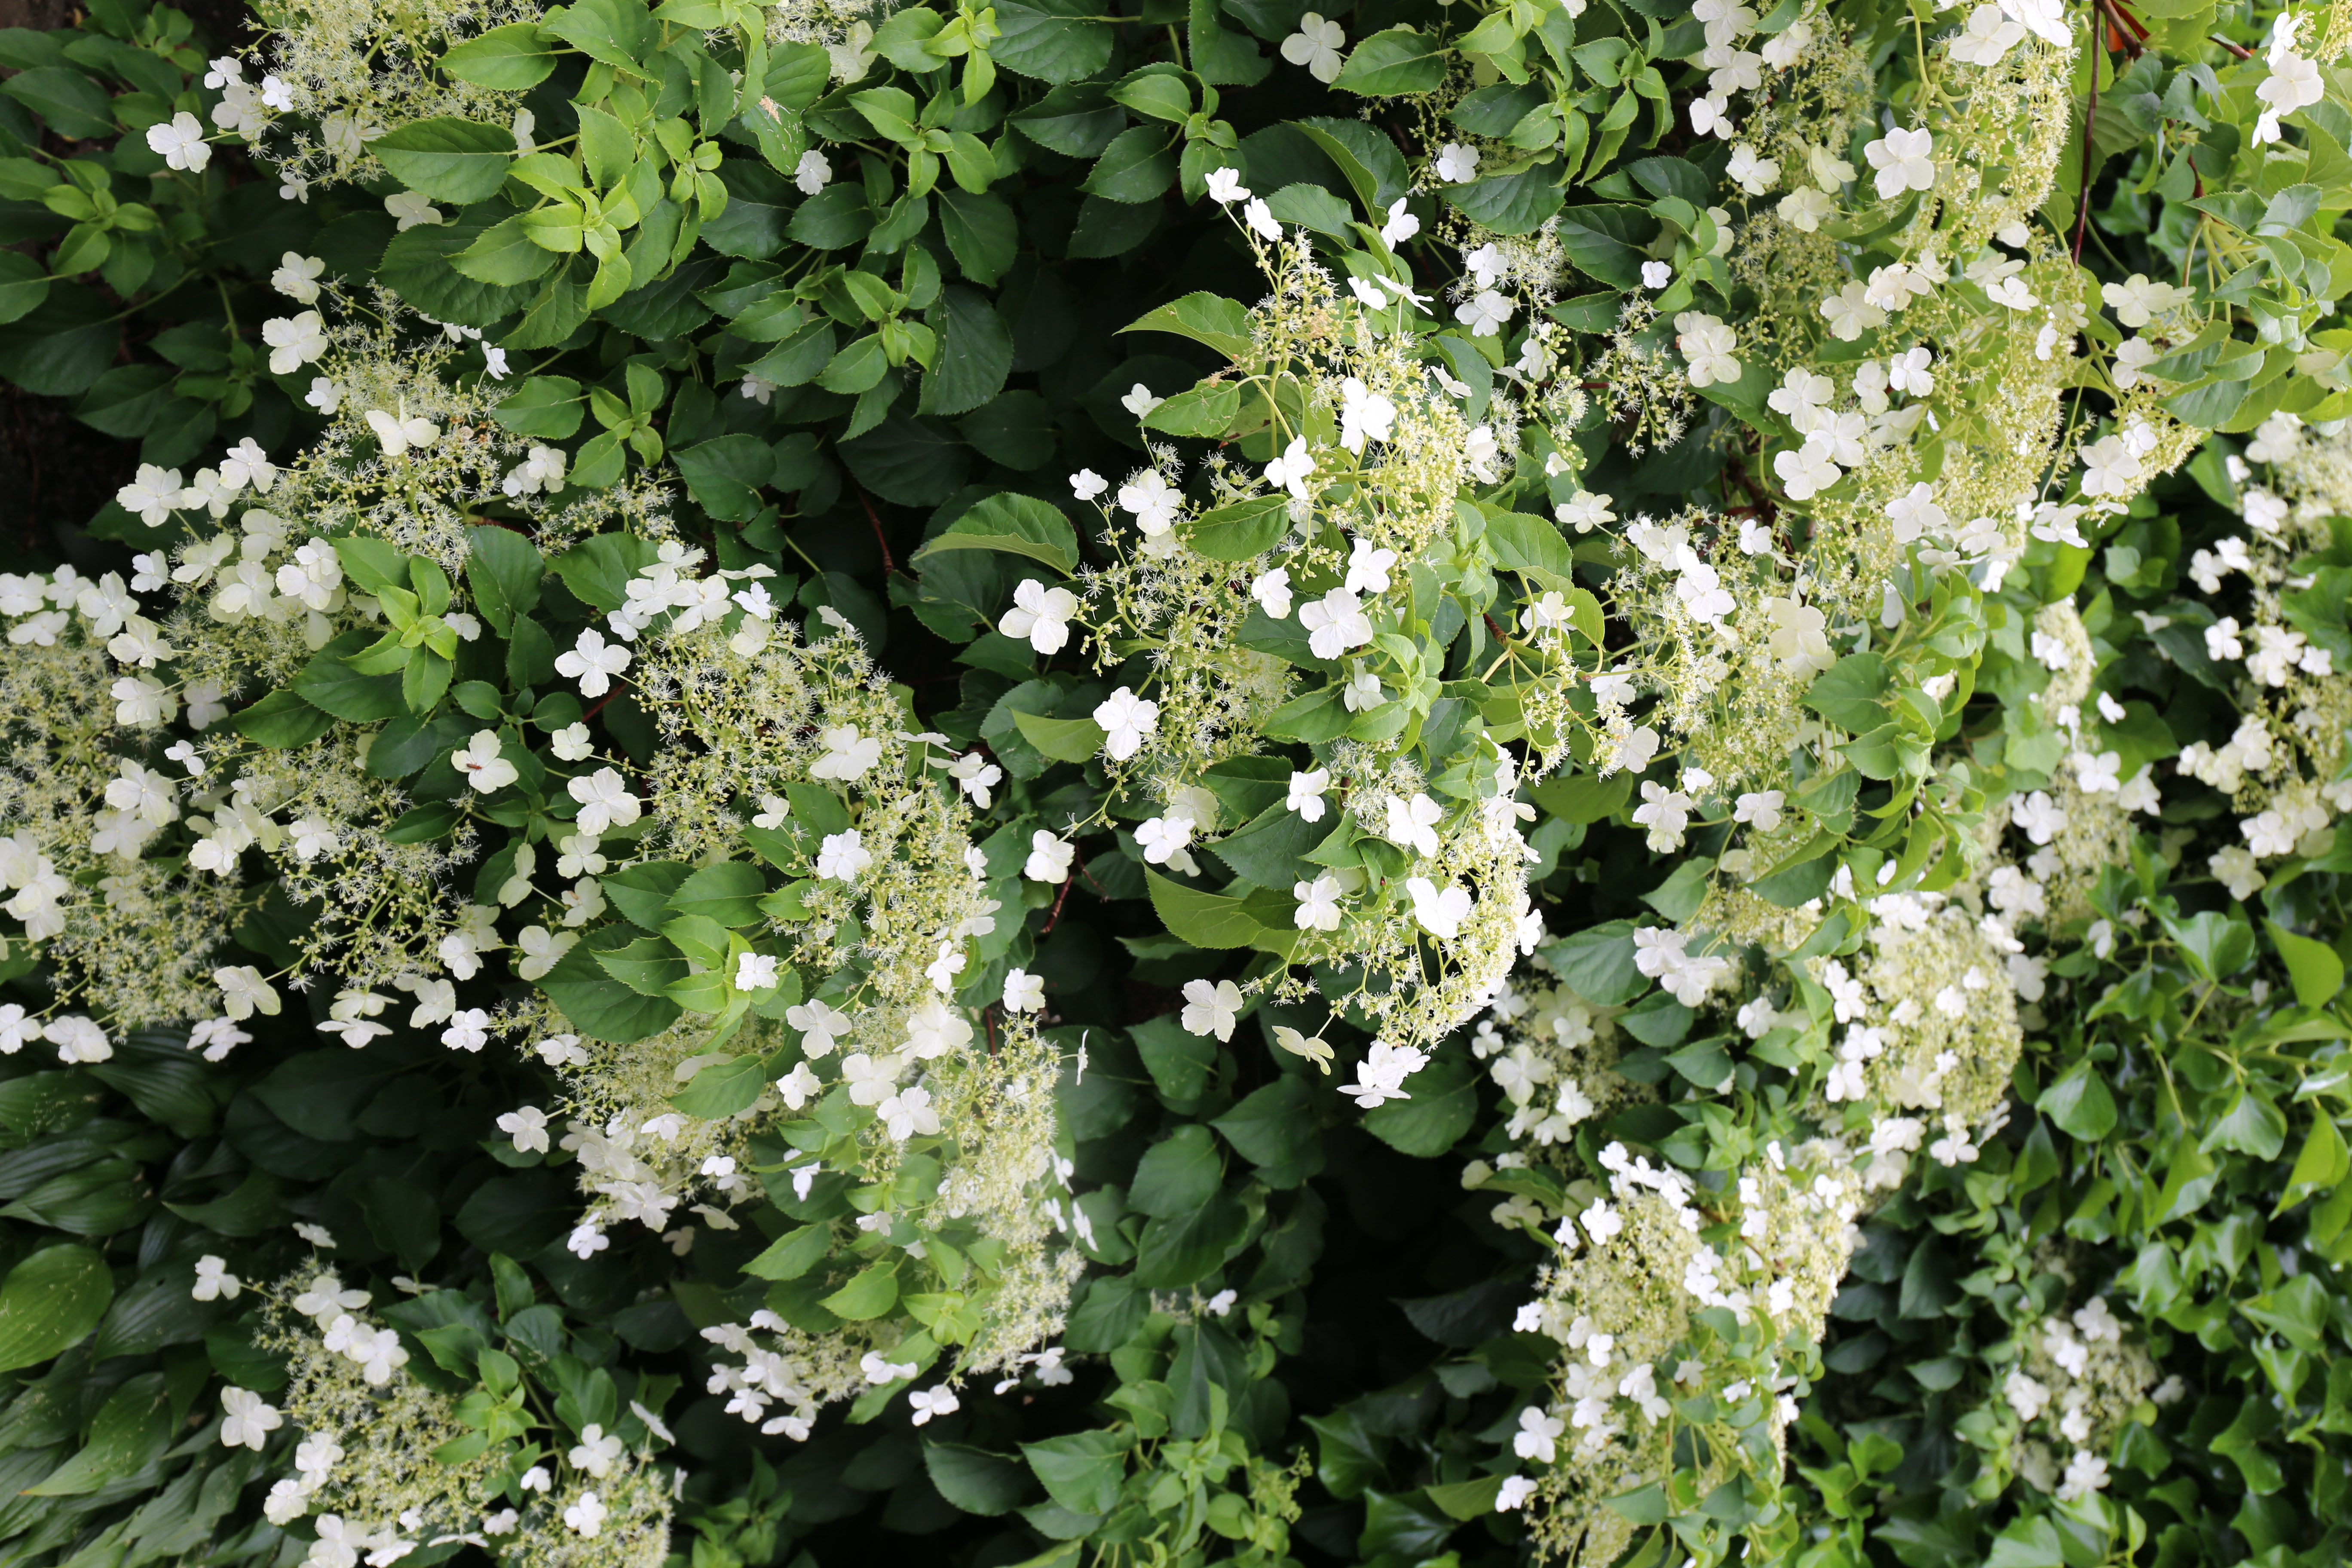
2090, 119
875, 519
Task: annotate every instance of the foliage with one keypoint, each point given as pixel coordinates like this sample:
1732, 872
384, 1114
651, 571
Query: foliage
1219, 784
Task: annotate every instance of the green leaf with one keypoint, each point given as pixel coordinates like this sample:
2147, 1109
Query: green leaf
1467, 1500
1064, 740
1178, 1174
505, 255
2080, 1104
1268, 851
1852, 693
595, 1003
976, 1480
647, 965
68, 103
503, 568
1016, 524
2215, 946
617, 32
724, 474
511, 58
2323, 1162
721, 1090
794, 1254
1274, 1128
1242, 530
2316, 974
282, 722
872, 1293
448, 159
1205, 920
1399, 61
1597, 963
1210, 319
50, 1302
2252, 1125
23, 286
332, 686
975, 352
132, 1428
597, 570
548, 406
1181, 1249
1082, 1471
1444, 1099
1608, 241
728, 893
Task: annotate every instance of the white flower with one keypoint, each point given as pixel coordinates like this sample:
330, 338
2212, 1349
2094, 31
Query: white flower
294, 341
79, 1040
755, 972
1666, 813
1049, 858
1706, 344
2140, 300
1040, 614
925, 1403
1125, 720
1162, 838
1364, 415
244, 993
571, 743
1656, 273
526, 1127
1585, 511
592, 662
821, 1026
1751, 174
1458, 165
213, 1281
1085, 484
1849, 312
1225, 188
587, 1515
410, 208
1809, 470
2132, 356
1989, 36
152, 495
1316, 45
1335, 624
1413, 823
1023, 992
1762, 808
906, 1114
245, 1421
848, 755
813, 172
1152, 501
1515, 1492
596, 1451
179, 142
1140, 400
1290, 470
297, 277
843, 857
1260, 219
1272, 591
1486, 313
604, 801
482, 764
1381, 1076
469, 1030
1318, 904
1905, 161
324, 396
1909, 372
1807, 210
1439, 912
396, 433
1211, 1009
1535, 1439
1400, 225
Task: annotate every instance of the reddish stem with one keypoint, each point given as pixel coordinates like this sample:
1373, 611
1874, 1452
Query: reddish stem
875, 518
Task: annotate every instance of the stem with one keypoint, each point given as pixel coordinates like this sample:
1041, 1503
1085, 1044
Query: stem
875, 518
2090, 117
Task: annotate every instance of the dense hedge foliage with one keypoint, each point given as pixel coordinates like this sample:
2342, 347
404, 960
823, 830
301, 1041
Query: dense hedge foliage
1442, 785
